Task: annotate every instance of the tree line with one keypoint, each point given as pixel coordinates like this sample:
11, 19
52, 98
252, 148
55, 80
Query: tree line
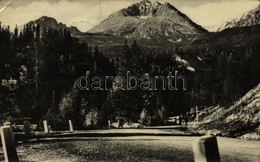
39, 68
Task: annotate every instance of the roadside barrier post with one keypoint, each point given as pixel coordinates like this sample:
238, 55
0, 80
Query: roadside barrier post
71, 126
45, 126
205, 149
27, 128
8, 144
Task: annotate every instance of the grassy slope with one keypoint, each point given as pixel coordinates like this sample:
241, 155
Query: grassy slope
241, 118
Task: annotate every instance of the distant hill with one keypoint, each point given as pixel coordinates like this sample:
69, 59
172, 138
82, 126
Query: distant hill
231, 37
150, 21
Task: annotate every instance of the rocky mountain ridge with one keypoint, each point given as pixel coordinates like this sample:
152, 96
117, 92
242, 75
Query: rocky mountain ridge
49, 22
146, 20
248, 19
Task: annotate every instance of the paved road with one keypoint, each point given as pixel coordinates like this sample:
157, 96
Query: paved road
230, 149
135, 148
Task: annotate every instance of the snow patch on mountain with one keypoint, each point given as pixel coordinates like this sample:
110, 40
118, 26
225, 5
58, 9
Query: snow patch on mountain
248, 19
184, 63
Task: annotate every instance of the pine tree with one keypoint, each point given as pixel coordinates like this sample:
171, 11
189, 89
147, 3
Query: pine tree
38, 31
15, 32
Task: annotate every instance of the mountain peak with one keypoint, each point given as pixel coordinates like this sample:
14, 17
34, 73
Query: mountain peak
166, 4
145, 1
248, 19
46, 18
50, 22
146, 20
143, 8
146, 8
158, 3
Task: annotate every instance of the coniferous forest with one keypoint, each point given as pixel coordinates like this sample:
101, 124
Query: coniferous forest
40, 67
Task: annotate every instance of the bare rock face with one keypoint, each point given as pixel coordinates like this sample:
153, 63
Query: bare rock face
146, 20
248, 19
49, 22
144, 8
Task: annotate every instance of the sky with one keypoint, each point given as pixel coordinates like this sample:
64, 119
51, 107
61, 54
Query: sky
85, 14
